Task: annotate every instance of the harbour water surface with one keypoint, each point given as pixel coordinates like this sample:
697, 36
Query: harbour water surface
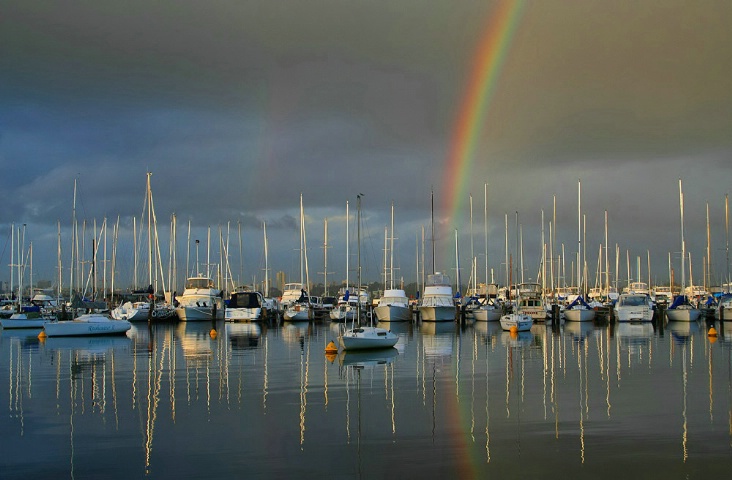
264, 401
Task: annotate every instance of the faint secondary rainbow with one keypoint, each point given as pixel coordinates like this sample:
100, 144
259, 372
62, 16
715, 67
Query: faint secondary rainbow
490, 55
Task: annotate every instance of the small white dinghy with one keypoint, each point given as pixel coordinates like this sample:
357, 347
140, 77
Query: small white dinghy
87, 324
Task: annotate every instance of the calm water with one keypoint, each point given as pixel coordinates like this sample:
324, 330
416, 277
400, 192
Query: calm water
263, 401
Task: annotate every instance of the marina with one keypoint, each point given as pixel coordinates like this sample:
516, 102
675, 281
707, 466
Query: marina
450, 400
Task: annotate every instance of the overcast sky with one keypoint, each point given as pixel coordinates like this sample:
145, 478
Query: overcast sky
237, 107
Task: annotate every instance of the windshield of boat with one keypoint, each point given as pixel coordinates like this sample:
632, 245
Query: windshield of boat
633, 301
199, 283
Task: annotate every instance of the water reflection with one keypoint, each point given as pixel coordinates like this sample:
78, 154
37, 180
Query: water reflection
589, 391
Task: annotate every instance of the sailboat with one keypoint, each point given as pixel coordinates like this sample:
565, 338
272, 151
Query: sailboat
516, 320
488, 310
23, 317
349, 302
300, 309
579, 310
724, 306
393, 305
145, 308
359, 337
681, 309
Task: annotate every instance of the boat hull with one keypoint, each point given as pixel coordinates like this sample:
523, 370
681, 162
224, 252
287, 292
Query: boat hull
243, 314
521, 322
487, 314
367, 338
198, 314
297, 313
21, 320
90, 324
437, 314
633, 314
683, 314
579, 314
393, 313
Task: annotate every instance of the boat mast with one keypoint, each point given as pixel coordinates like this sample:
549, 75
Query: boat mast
266, 260
485, 228
508, 279
348, 253
726, 236
358, 256
391, 249
579, 236
148, 202
683, 245
457, 263
386, 251
325, 254
58, 248
432, 223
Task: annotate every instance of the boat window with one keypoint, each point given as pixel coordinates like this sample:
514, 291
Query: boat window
199, 283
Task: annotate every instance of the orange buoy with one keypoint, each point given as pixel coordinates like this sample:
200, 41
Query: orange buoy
513, 329
712, 331
331, 348
213, 333
331, 357
42, 335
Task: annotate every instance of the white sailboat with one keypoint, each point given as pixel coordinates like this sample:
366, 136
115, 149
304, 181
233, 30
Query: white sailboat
87, 324
515, 320
359, 337
488, 310
300, 310
681, 309
145, 307
579, 310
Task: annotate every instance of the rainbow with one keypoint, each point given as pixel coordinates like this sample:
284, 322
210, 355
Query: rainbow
482, 83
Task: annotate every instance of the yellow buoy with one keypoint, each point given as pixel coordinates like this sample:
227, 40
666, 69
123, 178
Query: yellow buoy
513, 329
213, 333
42, 335
712, 331
331, 347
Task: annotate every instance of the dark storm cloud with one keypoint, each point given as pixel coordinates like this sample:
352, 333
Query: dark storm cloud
238, 107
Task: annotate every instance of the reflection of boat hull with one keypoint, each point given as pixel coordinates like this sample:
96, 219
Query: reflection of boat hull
579, 330
682, 330
88, 344
487, 329
243, 335
366, 358
634, 332
88, 324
